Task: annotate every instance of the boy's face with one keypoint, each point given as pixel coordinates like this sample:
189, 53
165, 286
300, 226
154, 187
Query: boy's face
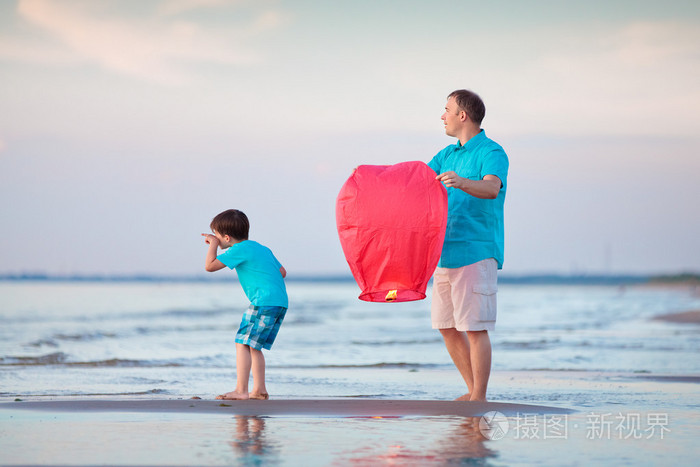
225, 241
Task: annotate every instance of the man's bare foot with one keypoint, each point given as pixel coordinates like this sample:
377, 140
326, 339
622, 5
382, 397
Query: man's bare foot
234, 396
466, 397
480, 399
263, 396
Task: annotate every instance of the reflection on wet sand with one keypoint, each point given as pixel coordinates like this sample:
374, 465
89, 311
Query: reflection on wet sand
463, 443
249, 441
466, 441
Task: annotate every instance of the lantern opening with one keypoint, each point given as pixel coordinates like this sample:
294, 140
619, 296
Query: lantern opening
402, 295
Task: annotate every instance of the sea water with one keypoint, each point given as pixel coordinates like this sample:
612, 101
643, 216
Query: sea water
114, 338
594, 349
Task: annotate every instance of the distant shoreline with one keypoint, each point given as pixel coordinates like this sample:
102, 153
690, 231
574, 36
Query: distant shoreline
527, 279
685, 317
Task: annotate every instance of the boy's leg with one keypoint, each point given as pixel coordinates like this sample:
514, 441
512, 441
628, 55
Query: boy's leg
243, 364
258, 367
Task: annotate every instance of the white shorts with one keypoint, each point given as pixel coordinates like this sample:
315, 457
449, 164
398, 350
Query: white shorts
465, 298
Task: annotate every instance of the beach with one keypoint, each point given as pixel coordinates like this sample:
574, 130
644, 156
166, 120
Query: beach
108, 374
575, 419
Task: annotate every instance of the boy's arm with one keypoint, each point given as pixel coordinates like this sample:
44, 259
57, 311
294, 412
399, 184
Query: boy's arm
212, 264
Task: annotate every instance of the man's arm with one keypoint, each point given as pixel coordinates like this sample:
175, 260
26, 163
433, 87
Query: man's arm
486, 188
283, 272
212, 264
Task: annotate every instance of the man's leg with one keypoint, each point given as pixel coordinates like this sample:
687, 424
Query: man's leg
458, 347
480, 359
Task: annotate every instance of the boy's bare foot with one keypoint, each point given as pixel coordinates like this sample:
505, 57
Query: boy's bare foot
465, 397
234, 396
263, 396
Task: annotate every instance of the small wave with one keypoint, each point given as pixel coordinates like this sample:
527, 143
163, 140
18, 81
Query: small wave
434, 340
54, 340
43, 343
117, 362
120, 316
197, 313
402, 365
670, 378
529, 345
90, 336
62, 359
81, 394
302, 320
55, 358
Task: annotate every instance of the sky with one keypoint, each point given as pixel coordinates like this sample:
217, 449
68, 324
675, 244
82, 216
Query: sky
125, 126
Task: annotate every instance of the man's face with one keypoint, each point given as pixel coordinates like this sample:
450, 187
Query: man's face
451, 117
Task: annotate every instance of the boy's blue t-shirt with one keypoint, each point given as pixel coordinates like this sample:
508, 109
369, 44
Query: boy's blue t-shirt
474, 226
258, 272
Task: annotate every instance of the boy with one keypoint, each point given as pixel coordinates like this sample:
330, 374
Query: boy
262, 279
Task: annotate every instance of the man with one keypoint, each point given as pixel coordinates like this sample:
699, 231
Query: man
464, 286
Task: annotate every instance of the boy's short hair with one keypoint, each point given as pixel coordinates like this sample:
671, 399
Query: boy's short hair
231, 222
471, 103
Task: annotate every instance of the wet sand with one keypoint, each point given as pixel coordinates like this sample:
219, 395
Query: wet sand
603, 418
295, 407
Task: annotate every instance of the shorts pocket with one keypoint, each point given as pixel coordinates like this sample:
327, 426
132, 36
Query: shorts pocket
485, 297
485, 289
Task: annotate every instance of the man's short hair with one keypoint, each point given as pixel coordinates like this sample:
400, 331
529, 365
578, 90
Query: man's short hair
471, 103
233, 223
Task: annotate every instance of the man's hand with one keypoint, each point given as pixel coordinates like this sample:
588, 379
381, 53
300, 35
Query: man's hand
450, 179
487, 188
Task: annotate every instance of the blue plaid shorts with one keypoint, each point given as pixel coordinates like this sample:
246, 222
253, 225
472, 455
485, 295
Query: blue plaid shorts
260, 325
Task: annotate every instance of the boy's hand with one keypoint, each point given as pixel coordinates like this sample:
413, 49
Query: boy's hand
210, 239
211, 263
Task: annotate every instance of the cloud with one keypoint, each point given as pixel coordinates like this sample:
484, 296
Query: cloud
646, 44
155, 47
176, 7
635, 78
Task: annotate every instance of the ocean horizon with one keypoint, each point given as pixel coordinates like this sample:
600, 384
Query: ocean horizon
504, 278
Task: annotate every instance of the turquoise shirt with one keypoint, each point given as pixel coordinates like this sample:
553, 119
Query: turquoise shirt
474, 225
258, 272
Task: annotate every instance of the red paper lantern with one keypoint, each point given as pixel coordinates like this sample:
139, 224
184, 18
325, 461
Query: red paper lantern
391, 222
